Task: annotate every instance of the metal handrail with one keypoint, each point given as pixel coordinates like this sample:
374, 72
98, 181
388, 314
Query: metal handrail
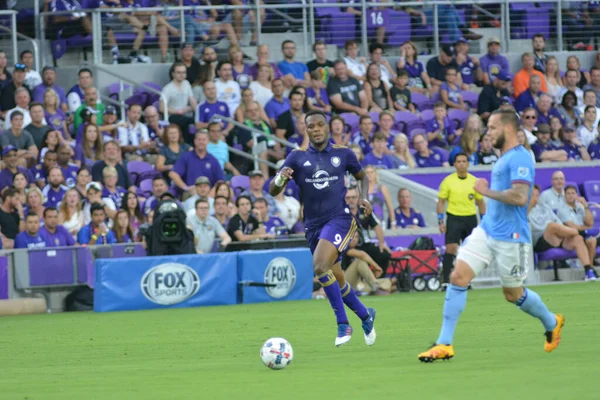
252, 157
134, 83
36, 48
13, 31
256, 131
121, 104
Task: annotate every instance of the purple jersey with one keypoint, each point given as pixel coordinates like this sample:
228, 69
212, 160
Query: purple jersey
53, 197
467, 70
56, 120
539, 148
243, 78
436, 159
25, 241
414, 74
277, 226
311, 95
39, 173
594, 150
365, 145
442, 140
572, 152
320, 177
415, 218
190, 166
61, 237
206, 110
40, 90
385, 162
491, 65
275, 108
454, 93
116, 196
70, 173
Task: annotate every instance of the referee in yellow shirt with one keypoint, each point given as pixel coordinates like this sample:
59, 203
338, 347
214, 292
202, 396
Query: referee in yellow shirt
457, 190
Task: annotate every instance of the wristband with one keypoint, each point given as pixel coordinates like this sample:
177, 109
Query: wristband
440, 217
279, 180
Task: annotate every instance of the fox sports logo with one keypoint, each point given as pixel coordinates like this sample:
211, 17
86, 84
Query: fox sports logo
281, 273
170, 283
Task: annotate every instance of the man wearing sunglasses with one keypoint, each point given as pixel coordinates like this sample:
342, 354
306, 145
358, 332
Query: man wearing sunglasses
7, 98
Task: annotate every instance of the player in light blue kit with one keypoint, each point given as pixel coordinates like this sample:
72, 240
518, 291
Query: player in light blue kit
503, 237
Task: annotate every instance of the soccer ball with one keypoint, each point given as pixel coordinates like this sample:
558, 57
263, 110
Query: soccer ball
276, 353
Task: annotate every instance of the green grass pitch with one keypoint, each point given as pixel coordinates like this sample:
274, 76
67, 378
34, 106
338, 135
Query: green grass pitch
212, 353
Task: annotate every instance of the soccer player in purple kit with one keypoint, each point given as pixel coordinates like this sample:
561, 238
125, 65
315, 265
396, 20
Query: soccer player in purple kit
319, 171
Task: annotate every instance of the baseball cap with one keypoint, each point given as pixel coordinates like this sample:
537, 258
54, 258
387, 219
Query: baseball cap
93, 185
8, 149
462, 39
506, 100
448, 50
503, 76
569, 128
202, 180
110, 110
20, 67
493, 39
254, 173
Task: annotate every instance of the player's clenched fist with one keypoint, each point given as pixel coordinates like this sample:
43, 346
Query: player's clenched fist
286, 172
481, 186
366, 206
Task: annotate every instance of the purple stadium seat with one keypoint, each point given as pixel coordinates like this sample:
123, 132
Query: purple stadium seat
591, 191
435, 97
415, 127
146, 187
596, 213
374, 116
114, 90
459, 116
138, 168
572, 183
427, 115
240, 182
402, 118
471, 98
352, 120
419, 100
399, 27
443, 151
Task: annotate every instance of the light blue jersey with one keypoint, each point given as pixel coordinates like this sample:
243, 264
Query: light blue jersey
503, 221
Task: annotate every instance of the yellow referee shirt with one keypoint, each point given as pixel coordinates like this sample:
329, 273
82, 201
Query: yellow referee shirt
460, 194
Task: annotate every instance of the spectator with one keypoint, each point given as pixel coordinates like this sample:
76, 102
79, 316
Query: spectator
589, 99
406, 216
219, 149
289, 67
286, 123
75, 95
467, 145
91, 148
359, 269
567, 111
209, 59
262, 58
159, 187
156, 126
402, 156
133, 137
7, 97
552, 78
522, 140
70, 214
555, 195
278, 104
122, 229
54, 191
84, 177
289, 210
357, 152
493, 62
202, 188
529, 120
386, 123
22, 101
261, 87
450, 91
426, 157
556, 131
570, 81
48, 81
379, 195
32, 77
362, 138
345, 92
173, 147
180, 100
15, 137
68, 25
538, 42
228, 90
273, 224
205, 113
111, 158
246, 225
377, 91
40, 171
468, 66
245, 138
378, 156
437, 67
400, 94
221, 210
337, 130
492, 94
320, 64
94, 196
241, 71
90, 101
69, 169
30, 238
35, 202
96, 232
487, 155
576, 151
595, 83
55, 235
131, 205
193, 164
545, 109
5, 75
440, 130
317, 94
12, 218
11, 167
37, 128
248, 99
356, 66
191, 63
594, 149
53, 114
522, 78
543, 148
576, 214
529, 97
111, 190
256, 191
205, 22
418, 79
205, 227
20, 184
387, 73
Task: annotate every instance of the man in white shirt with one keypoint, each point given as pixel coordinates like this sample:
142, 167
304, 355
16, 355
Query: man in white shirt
205, 227
228, 90
555, 195
133, 137
357, 66
589, 99
33, 78
22, 99
181, 102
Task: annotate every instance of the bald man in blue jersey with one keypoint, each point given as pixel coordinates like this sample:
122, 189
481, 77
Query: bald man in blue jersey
503, 237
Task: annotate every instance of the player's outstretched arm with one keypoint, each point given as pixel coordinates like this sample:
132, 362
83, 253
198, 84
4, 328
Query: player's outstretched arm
280, 181
517, 195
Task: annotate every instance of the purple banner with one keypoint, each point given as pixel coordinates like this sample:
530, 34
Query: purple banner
3, 278
543, 177
85, 266
51, 267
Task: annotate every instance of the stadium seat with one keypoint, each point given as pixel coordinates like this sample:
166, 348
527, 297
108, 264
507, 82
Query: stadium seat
459, 117
352, 120
471, 98
421, 101
402, 118
146, 187
591, 190
240, 182
140, 170
427, 115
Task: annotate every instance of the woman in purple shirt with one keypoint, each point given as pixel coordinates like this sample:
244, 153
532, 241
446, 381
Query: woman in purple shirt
55, 117
418, 79
450, 91
122, 229
241, 71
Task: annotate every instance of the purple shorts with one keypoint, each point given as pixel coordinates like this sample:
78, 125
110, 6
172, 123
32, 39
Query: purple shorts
339, 231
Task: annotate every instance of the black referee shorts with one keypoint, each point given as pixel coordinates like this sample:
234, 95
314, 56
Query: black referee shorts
459, 227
